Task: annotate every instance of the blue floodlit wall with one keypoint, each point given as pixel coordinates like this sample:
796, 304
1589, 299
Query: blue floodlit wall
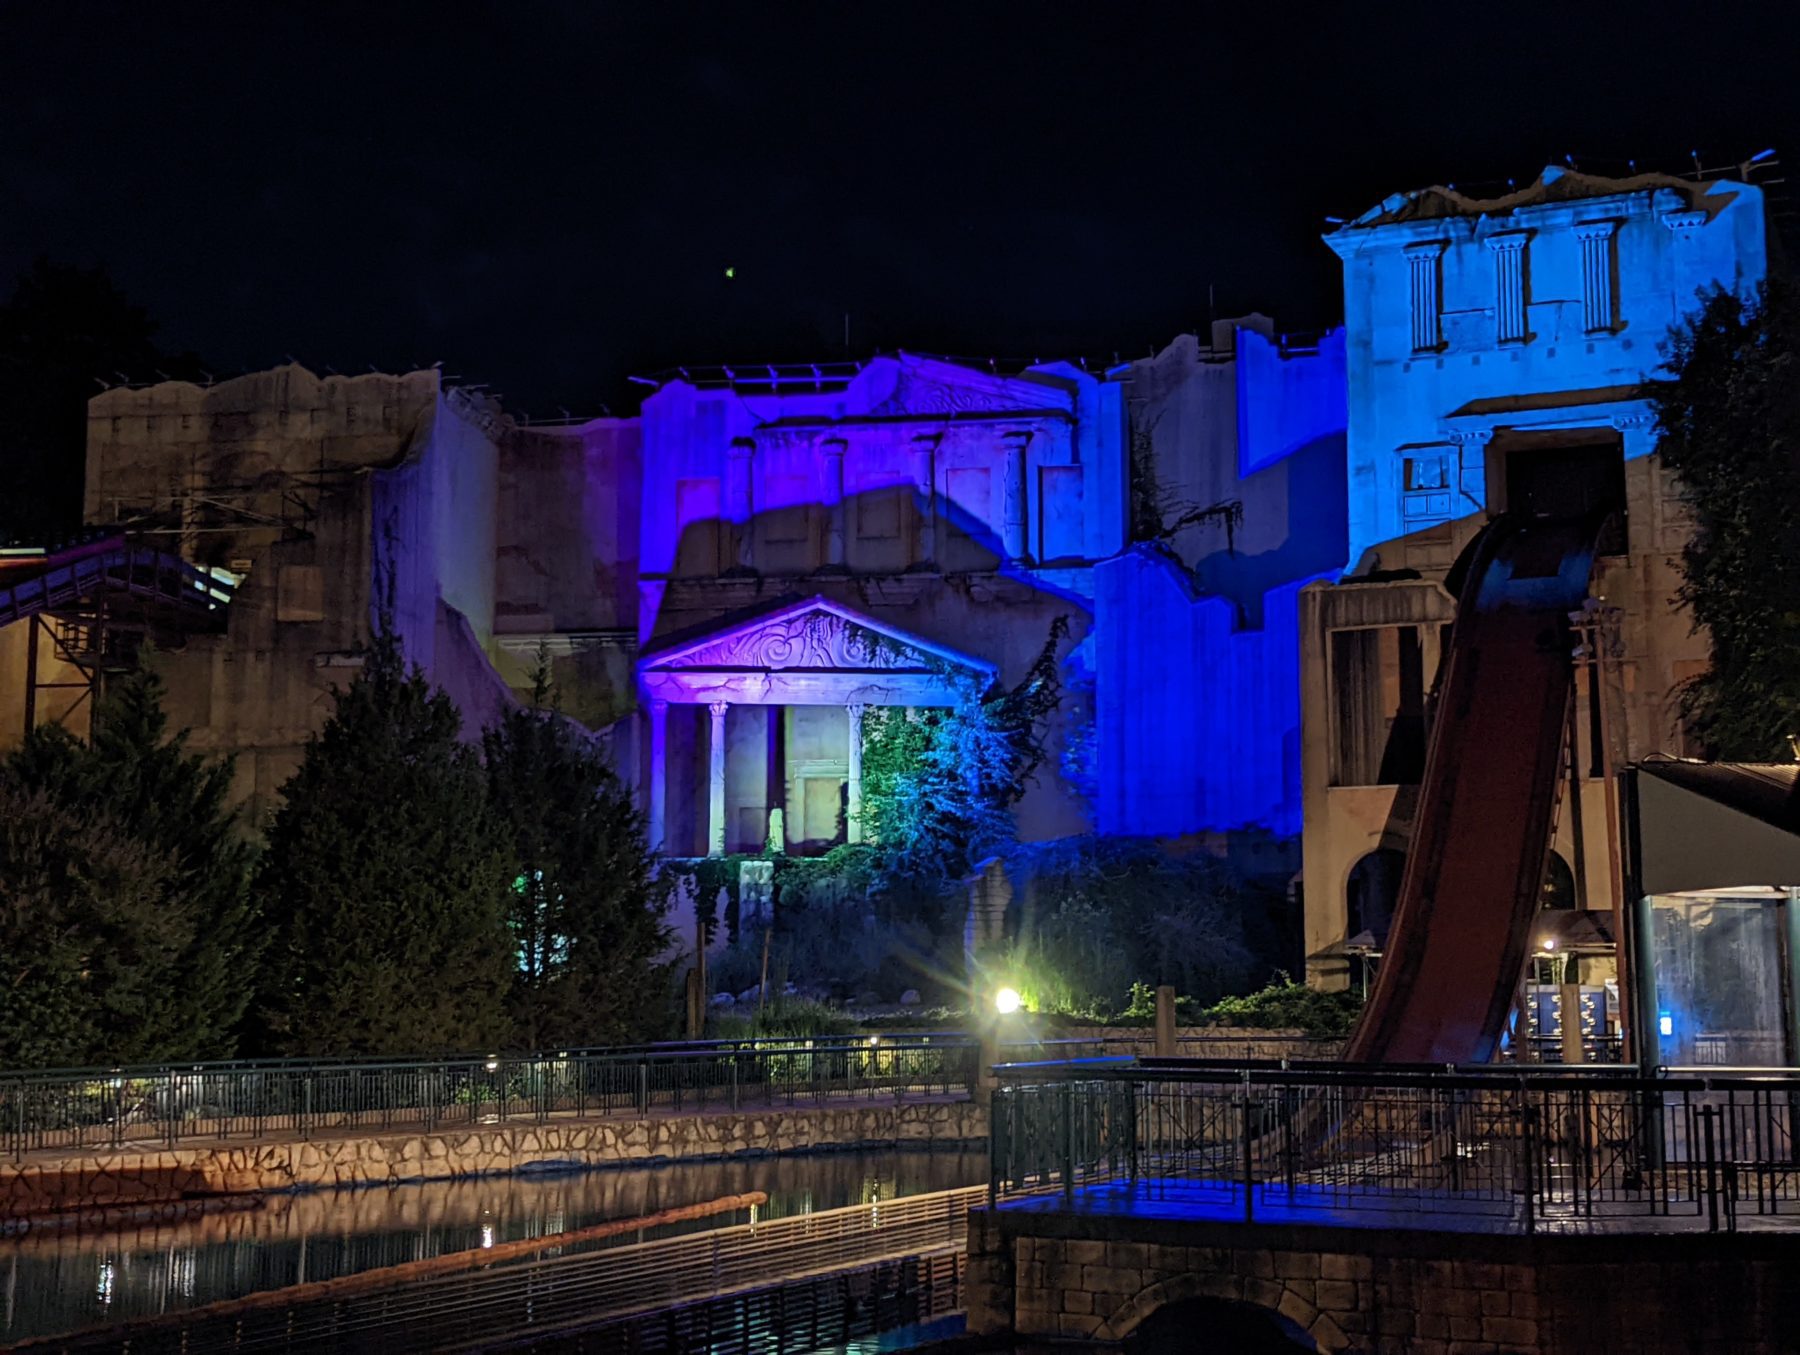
1196, 642
1466, 317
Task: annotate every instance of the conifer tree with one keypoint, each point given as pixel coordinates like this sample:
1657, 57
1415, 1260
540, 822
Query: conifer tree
176, 972
586, 917
385, 880
89, 936
1729, 420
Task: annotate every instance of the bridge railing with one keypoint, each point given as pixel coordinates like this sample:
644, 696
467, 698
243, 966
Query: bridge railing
170, 1104
513, 1303
1550, 1149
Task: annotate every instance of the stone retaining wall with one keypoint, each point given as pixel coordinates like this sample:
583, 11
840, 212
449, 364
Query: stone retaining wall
1389, 1292
131, 1175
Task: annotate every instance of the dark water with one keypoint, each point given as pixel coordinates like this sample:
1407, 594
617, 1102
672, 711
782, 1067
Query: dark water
52, 1282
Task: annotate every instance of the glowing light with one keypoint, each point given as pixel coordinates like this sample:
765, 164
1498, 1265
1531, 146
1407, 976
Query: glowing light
731, 272
493, 1064
1549, 944
1006, 1001
487, 1235
1665, 1024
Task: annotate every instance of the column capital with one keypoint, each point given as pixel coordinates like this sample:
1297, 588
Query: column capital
856, 708
1503, 241
659, 705
718, 708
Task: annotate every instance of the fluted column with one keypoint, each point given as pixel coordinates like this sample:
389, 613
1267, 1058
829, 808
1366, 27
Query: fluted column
715, 809
1423, 267
1509, 285
834, 450
1596, 237
659, 771
853, 794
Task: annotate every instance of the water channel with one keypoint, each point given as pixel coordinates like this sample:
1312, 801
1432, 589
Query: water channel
59, 1281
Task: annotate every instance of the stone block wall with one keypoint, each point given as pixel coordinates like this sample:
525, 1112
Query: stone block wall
99, 1179
1369, 1292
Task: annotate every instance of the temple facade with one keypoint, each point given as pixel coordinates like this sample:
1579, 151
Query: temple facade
1248, 534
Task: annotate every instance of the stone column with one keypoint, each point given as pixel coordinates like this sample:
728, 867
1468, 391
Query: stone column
834, 449
659, 771
924, 473
1012, 496
715, 812
740, 505
853, 814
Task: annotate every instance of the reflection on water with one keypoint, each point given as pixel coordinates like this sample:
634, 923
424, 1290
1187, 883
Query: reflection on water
56, 1282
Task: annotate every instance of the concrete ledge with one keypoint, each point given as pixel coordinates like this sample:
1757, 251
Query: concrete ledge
138, 1175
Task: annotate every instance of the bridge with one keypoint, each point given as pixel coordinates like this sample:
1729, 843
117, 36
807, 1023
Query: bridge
93, 603
1359, 1208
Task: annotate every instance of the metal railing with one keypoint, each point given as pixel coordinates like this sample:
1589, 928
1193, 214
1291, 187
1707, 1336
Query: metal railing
166, 1105
1550, 1149
534, 1300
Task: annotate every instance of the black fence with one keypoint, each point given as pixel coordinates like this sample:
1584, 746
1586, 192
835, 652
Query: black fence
1507, 1150
171, 1104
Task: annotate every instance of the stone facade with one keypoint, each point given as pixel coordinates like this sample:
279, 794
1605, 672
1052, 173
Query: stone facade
1387, 1292
1496, 361
131, 1176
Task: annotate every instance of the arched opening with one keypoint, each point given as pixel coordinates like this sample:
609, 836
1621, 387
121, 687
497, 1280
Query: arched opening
1218, 1324
1559, 884
1373, 891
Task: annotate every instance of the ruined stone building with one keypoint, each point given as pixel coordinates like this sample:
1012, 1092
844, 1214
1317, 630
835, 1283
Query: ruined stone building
726, 583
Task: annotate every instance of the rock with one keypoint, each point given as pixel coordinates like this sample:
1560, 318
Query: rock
723, 1000
910, 998
751, 993
789, 989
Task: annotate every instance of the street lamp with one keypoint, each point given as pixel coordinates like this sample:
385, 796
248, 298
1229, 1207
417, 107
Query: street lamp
1007, 1001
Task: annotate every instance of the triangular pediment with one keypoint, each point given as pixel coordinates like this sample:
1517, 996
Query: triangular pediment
932, 386
817, 636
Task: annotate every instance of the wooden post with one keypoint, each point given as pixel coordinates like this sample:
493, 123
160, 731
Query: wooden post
762, 988
1165, 1022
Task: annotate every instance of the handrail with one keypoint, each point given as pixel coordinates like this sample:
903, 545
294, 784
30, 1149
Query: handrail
71, 1110
559, 1293
1577, 1149
1614, 1077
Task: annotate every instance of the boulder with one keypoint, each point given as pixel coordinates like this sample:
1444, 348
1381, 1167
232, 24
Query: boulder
723, 1000
910, 998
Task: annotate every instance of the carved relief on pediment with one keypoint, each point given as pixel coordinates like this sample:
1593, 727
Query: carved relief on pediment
815, 640
924, 395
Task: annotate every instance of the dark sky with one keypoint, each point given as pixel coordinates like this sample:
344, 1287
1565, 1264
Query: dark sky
546, 196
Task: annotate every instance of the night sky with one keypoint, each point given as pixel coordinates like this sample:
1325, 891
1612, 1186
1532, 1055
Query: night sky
546, 197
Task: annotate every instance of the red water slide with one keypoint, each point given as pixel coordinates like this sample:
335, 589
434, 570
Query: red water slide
1471, 887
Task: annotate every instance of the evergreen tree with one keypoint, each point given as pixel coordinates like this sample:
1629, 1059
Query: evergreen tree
1729, 420
586, 916
89, 941
386, 879
176, 986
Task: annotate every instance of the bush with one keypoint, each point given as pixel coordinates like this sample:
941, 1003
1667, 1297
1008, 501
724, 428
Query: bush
1289, 1006
784, 1018
1097, 914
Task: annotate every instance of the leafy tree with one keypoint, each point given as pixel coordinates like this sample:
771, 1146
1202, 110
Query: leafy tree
939, 785
386, 879
172, 979
585, 916
1729, 420
63, 333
